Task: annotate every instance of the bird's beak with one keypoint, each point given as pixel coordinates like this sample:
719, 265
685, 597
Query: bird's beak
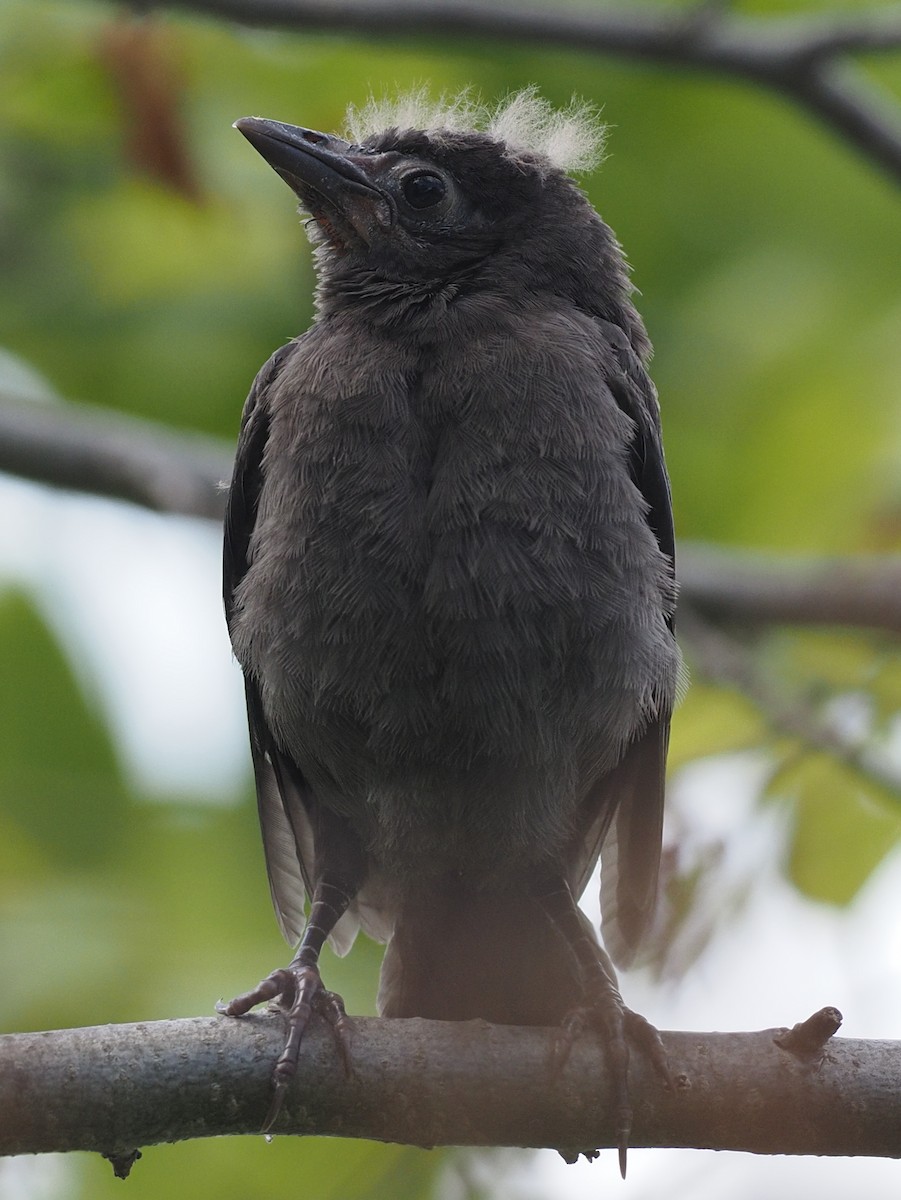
314, 165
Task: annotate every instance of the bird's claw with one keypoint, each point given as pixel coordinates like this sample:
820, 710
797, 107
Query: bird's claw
618, 1027
300, 993
645, 1037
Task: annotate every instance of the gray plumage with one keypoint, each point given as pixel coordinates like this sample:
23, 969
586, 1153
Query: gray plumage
449, 572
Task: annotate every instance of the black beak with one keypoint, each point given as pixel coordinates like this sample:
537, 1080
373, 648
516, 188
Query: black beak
308, 161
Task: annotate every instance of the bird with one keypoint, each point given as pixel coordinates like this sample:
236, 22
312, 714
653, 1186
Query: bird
449, 581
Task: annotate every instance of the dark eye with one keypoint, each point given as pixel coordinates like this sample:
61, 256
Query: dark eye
424, 190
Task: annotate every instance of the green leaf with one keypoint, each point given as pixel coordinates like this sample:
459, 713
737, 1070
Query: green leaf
886, 683
844, 826
713, 721
823, 661
61, 788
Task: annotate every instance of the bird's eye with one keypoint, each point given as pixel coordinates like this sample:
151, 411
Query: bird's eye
424, 190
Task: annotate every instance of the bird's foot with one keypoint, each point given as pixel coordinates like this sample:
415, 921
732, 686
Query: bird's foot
619, 1027
300, 993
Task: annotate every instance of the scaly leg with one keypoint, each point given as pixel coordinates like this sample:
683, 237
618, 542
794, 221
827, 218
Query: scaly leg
301, 992
603, 1010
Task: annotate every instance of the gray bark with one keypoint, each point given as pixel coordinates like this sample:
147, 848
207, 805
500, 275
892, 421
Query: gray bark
115, 1088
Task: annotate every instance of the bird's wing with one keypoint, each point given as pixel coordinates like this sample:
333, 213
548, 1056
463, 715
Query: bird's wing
284, 799
622, 817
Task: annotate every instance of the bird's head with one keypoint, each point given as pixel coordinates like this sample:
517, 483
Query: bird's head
435, 204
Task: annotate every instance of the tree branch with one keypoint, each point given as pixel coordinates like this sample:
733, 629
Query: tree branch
105, 453
802, 58
115, 1088
862, 591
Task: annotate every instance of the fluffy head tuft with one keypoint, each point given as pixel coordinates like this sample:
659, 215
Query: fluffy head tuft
415, 109
571, 139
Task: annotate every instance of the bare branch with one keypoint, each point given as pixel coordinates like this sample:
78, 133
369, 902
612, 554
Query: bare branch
840, 96
873, 30
749, 586
115, 1088
803, 58
107, 454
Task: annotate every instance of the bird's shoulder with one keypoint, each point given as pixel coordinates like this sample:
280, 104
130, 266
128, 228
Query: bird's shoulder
633, 390
247, 475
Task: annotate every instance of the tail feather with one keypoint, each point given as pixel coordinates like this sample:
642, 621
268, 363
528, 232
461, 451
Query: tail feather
630, 855
458, 954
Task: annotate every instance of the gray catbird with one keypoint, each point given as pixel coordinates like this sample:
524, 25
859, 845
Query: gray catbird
449, 583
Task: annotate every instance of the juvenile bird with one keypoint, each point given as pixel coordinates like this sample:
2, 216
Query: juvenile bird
449, 582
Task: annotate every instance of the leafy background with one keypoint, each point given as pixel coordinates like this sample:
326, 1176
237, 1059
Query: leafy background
154, 277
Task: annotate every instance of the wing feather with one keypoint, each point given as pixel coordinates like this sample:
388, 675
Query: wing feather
622, 817
281, 800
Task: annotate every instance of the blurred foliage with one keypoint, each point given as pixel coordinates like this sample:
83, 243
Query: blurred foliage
151, 264
844, 826
53, 750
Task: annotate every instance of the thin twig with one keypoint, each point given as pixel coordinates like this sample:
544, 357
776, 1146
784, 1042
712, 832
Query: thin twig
725, 661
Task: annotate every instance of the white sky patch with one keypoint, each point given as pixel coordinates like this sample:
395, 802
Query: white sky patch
134, 598
40, 1177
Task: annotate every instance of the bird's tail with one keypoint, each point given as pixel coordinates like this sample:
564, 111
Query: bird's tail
459, 953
